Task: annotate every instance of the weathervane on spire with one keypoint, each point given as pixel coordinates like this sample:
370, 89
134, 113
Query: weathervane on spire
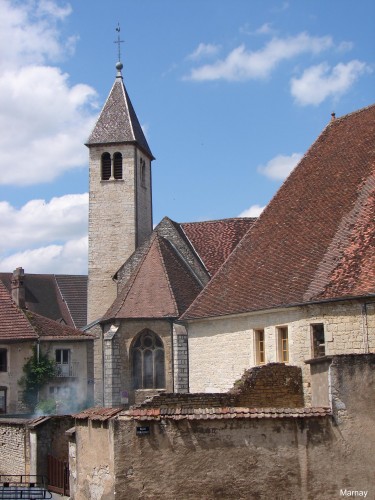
119, 65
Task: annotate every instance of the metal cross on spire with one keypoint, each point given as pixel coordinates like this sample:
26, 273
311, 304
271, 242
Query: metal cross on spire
118, 41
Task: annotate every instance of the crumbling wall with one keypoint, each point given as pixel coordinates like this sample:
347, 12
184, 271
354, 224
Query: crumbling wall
14, 458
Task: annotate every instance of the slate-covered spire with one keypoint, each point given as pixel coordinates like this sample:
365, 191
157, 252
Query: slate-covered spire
118, 122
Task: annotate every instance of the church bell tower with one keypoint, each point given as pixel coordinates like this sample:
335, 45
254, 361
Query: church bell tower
120, 198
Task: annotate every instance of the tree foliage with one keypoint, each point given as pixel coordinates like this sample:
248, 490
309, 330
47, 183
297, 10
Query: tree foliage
38, 371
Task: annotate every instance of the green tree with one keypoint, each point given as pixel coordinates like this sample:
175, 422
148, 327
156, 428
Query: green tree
38, 370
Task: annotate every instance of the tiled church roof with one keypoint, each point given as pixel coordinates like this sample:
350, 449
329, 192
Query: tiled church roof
215, 240
162, 285
315, 239
118, 122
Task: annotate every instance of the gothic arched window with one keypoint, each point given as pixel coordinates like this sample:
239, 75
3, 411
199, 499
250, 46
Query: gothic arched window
117, 166
106, 166
147, 357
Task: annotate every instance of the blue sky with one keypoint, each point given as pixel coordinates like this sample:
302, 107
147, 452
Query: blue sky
230, 94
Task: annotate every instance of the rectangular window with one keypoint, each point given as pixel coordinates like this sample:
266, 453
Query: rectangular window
260, 357
62, 358
3, 360
3, 400
317, 340
283, 344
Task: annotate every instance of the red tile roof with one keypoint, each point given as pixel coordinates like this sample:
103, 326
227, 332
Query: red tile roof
59, 297
161, 286
13, 323
223, 413
315, 239
17, 324
48, 329
215, 240
97, 413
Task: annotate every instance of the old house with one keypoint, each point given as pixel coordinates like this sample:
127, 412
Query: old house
22, 331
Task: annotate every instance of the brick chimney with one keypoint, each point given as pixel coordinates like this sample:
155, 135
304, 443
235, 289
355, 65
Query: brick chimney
18, 287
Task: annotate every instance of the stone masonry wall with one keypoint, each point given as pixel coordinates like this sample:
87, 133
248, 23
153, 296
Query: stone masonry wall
118, 388
221, 349
13, 436
180, 359
269, 386
112, 226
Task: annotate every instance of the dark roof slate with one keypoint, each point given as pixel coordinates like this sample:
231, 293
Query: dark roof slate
314, 241
118, 122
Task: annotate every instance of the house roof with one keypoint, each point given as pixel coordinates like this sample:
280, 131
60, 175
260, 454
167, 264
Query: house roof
48, 329
17, 324
59, 297
118, 122
162, 286
13, 323
215, 240
315, 239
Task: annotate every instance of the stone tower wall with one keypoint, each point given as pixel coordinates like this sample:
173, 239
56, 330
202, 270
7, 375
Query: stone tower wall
114, 223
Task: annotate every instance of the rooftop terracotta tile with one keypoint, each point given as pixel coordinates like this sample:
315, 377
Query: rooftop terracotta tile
315, 239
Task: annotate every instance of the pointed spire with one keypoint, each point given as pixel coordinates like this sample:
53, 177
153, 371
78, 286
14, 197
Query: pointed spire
118, 122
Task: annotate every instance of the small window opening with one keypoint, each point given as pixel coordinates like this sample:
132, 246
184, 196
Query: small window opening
259, 347
117, 166
283, 344
318, 341
143, 172
106, 166
3, 399
3, 360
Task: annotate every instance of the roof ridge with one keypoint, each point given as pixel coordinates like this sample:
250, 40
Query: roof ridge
160, 240
130, 282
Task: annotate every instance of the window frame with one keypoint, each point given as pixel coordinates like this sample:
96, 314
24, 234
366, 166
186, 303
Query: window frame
105, 168
260, 346
318, 350
117, 166
283, 344
147, 372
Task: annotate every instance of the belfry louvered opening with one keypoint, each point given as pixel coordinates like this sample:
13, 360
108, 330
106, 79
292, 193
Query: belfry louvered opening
117, 166
106, 166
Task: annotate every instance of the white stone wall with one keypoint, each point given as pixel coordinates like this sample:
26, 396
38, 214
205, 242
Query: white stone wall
113, 223
221, 349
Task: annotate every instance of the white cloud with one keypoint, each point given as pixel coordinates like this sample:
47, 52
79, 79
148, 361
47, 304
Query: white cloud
45, 237
253, 211
241, 64
29, 33
280, 166
39, 222
317, 83
43, 117
204, 50
69, 258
